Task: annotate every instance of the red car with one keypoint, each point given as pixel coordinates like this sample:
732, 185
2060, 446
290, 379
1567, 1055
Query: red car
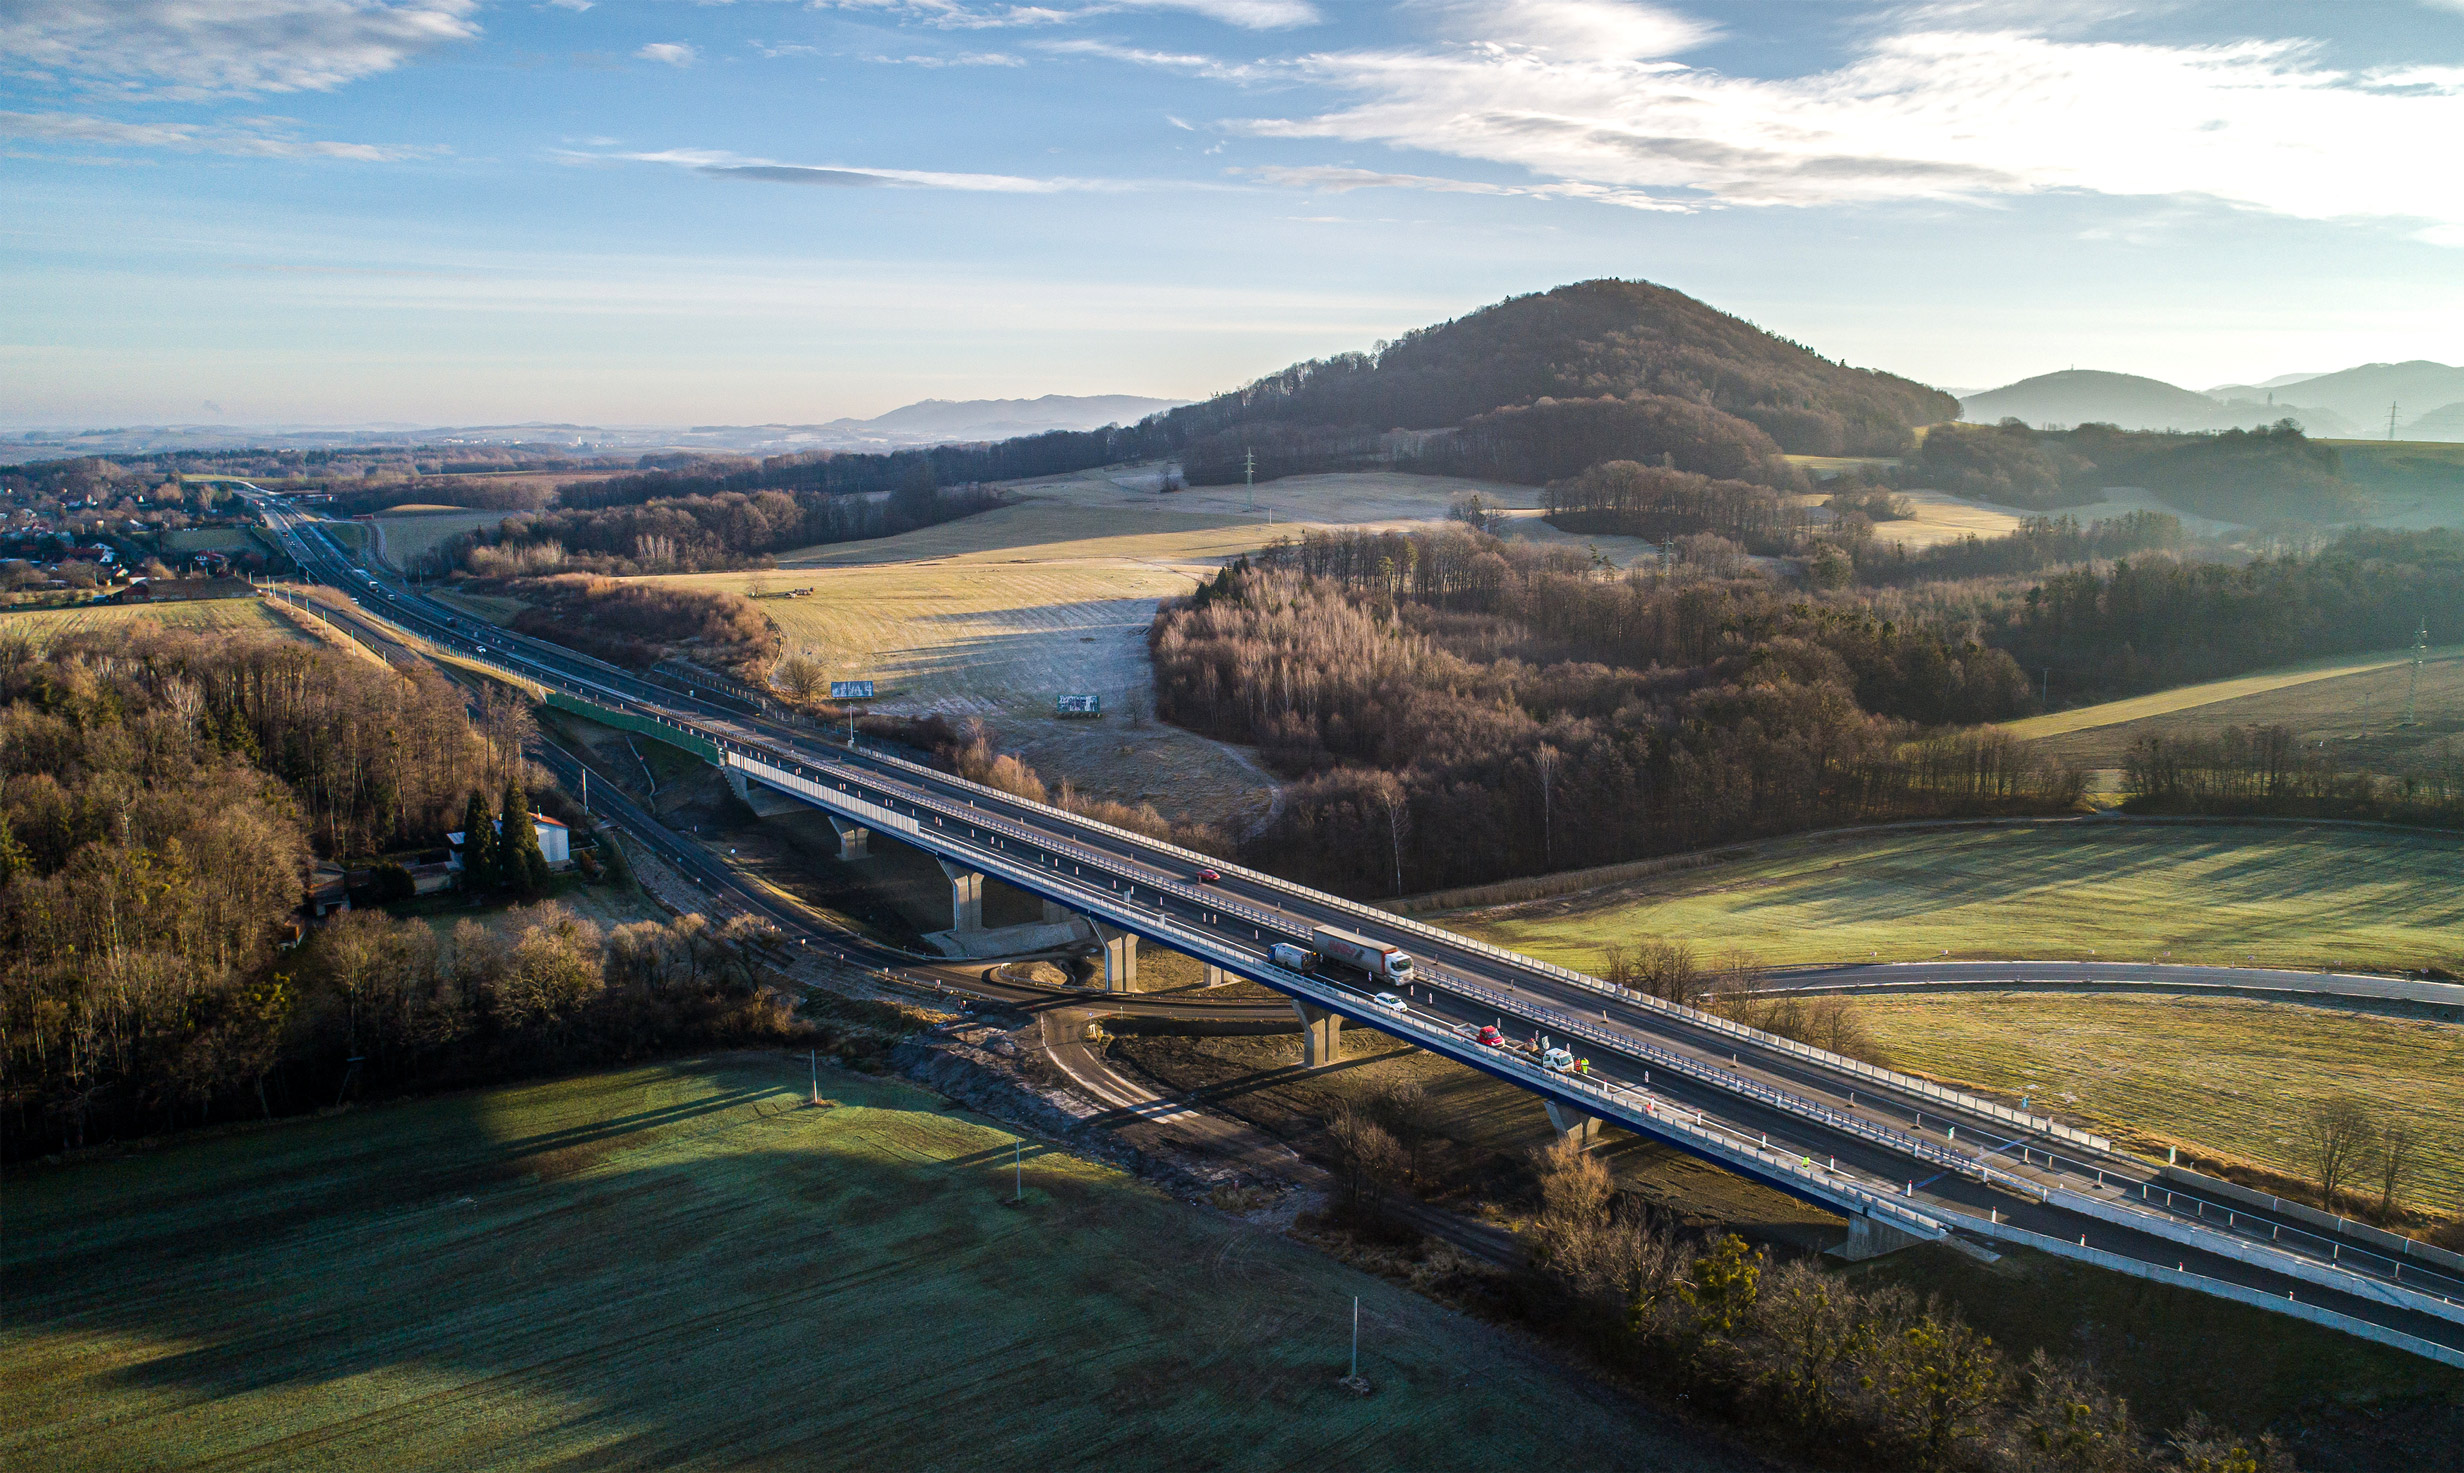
1491, 1038
1205, 877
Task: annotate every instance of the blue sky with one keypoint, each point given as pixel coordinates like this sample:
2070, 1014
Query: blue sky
654, 211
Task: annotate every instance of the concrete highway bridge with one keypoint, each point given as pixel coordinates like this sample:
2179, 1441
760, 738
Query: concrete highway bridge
1903, 1159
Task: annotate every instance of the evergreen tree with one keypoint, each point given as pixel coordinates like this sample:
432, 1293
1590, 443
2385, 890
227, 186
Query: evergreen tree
518, 859
479, 867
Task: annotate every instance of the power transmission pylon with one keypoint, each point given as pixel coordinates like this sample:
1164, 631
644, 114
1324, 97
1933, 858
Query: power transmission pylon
2391, 419
1249, 476
2421, 650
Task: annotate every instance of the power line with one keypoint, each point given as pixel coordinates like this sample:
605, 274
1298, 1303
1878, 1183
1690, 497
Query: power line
2421, 650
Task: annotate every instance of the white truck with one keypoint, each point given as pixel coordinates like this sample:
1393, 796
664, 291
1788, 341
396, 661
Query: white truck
1383, 963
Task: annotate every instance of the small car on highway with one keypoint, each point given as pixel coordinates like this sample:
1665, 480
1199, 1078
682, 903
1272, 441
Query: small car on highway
1490, 1038
1205, 877
1391, 1003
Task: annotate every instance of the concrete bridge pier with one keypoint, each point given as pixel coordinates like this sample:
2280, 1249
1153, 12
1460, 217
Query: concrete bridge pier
1868, 1238
1216, 976
855, 841
966, 896
1055, 913
1321, 1035
1120, 956
1572, 1124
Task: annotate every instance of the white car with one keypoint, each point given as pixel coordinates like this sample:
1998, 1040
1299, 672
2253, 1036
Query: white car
1391, 1003
1557, 1061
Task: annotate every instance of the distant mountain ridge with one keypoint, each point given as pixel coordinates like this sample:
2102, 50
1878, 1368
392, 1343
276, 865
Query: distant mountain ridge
911, 426
2349, 404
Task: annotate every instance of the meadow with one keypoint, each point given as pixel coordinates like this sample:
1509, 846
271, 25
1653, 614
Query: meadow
2229, 1075
687, 1265
42, 626
2277, 895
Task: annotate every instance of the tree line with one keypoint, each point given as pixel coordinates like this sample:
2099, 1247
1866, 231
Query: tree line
2269, 770
699, 531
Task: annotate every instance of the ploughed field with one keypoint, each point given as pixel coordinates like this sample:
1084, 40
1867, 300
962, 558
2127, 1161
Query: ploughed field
685, 1265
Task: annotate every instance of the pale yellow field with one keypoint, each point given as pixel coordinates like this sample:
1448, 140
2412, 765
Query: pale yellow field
42, 626
404, 533
2209, 693
968, 637
2225, 1073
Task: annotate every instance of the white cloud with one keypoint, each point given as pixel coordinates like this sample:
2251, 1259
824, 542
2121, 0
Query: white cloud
202, 48
1919, 115
1603, 29
245, 137
1177, 123
672, 53
576, 6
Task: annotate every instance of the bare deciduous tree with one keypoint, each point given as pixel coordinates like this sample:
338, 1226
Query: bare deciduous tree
2339, 1138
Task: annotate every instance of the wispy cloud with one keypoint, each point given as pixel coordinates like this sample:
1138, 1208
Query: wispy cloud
244, 137
1253, 15
206, 48
670, 53
724, 165
970, 58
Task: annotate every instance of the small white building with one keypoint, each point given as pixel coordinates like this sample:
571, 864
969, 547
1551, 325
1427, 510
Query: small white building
555, 842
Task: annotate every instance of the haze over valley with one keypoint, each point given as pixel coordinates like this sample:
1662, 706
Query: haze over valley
1232, 734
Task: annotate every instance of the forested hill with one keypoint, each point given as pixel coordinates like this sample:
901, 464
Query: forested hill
1594, 339
1541, 387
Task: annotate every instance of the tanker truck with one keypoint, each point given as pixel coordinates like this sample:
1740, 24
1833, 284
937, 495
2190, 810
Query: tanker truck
1384, 964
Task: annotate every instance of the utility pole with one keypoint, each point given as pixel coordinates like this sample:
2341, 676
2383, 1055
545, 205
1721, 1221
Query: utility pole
2391, 419
2421, 649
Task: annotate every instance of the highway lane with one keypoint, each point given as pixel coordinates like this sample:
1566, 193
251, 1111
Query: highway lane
1856, 1129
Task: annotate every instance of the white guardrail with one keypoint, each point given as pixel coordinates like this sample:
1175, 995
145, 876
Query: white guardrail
2240, 1293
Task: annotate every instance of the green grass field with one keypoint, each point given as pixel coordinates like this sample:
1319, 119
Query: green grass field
2227, 1074
685, 1266
42, 626
2286, 896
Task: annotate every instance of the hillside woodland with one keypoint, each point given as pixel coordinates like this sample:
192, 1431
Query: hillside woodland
1540, 387
162, 798
2247, 476
1458, 709
2149, 622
